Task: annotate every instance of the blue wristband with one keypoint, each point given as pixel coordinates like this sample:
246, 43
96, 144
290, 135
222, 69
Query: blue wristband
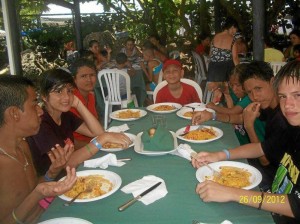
227, 153
47, 178
96, 143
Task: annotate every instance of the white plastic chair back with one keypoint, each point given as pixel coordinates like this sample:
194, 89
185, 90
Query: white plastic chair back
276, 66
187, 81
109, 80
200, 67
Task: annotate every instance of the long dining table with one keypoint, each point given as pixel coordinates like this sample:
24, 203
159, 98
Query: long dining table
180, 205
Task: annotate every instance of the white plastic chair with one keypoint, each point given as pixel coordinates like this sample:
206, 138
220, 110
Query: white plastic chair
276, 66
160, 78
109, 79
187, 81
201, 72
200, 67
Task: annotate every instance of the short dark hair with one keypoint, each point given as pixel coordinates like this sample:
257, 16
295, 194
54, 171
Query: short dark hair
203, 36
238, 70
13, 92
229, 22
296, 48
148, 45
130, 39
289, 70
53, 79
257, 69
82, 62
295, 32
121, 58
92, 42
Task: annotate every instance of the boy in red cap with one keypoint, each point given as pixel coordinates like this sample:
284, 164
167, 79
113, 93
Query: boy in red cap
176, 91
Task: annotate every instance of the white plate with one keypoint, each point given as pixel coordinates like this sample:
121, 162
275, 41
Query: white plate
255, 178
114, 115
111, 176
183, 110
218, 131
132, 138
139, 147
65, 220
176, 105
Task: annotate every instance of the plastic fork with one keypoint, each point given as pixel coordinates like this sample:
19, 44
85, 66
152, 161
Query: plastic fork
87, 190
215, 172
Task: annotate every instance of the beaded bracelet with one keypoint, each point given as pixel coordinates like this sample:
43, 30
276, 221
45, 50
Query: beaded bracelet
16, 218
88, 149
47, 178
262, 199
227, 153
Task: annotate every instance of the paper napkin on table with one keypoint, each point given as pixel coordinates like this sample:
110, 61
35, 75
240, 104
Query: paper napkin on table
121, 128
103, 162
184, 151
139, 186
224, 222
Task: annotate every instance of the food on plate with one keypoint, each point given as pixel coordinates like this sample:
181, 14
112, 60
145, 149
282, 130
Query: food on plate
129, 114
233, 177
164, 107
201, 134
110, 145
188, 114
92, 186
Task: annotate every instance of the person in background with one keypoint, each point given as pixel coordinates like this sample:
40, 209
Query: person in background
59, 123
155, 40
21, 189
123, 64
203, 47
283, 151
296, 52
101, 57
241, 44
237, 100
223, 55
151, 69
84, 73
295, 39
176, 91
131, 51
271, 54
157, 53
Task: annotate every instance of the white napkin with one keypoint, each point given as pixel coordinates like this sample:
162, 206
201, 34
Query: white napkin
121, 128
103, 162
139, 186
184, 151
224, 222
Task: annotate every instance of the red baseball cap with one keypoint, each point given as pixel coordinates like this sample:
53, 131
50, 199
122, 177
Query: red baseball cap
171, 62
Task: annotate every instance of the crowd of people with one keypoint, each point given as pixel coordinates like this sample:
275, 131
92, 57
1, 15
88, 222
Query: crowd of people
45, 138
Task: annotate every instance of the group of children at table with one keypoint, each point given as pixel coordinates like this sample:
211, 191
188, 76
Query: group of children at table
265, 111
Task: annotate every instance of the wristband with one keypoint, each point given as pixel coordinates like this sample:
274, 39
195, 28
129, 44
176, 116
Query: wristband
47, 178
214, 115
227, 153
96, 143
